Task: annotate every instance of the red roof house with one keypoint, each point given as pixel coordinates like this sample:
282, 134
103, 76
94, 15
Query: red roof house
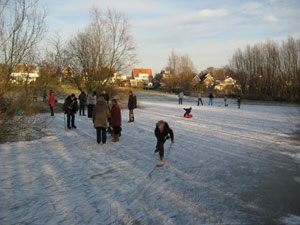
142, 74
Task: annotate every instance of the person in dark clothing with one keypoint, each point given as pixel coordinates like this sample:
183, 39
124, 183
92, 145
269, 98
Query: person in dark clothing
162, 132
132, 104
187, 112
82, 102
105, 96
210, 99
116, 120
71, 107
239, 100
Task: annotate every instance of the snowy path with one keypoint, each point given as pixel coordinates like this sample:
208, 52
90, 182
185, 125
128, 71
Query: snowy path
227, 166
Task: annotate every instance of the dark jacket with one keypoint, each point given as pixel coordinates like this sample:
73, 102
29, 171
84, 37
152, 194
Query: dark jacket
211, 96
187, 110
106, 97
101, 113
239, 99
116, 118
162, 136
132, 102
82, 98
71, 105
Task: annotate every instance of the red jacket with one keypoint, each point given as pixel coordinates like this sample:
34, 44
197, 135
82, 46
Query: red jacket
52, 99
116, 119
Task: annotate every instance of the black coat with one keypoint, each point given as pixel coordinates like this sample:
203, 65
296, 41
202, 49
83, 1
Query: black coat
161, 136
211, 96
187, 110
71, 105
132, 102
106, 97
82, 98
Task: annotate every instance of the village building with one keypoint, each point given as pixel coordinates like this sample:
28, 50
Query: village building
24, 73
144, 75
205, 79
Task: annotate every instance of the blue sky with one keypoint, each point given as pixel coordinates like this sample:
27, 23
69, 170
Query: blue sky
208, 31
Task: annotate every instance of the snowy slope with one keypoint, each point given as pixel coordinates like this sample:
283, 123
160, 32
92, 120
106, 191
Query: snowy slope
227, 166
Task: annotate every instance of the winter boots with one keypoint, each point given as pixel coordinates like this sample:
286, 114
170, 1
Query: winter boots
116, 139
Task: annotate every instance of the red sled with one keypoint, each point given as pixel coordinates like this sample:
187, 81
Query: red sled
188, 116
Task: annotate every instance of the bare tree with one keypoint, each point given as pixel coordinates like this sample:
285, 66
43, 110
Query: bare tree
104, 46
22, 27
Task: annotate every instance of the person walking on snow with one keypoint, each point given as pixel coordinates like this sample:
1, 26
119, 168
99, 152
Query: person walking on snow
132, 104
71, 107
199, 99
92, 99
225, 101
82, 103
180, 96
116, 120
162, 132
101, 115
239, 100
51, 102
210, 99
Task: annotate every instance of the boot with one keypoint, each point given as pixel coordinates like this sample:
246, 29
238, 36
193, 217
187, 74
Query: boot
116, 139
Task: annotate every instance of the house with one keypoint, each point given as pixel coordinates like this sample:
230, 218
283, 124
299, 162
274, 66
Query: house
144, 75
165, 73
24, 73
228, 82
205, 79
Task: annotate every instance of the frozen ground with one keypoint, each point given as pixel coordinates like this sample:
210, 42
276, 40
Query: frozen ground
227, 166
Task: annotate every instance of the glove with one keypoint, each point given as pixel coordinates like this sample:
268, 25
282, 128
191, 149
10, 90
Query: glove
173, 141
167, 137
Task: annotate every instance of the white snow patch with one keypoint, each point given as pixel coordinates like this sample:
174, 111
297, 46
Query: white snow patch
291, 220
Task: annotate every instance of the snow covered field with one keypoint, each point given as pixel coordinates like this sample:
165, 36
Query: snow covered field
227, 166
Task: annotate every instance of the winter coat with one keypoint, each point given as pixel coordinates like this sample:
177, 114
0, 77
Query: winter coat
101, 113
115, 115
211, 96
82, 98
91, 99
106, 97
181, 95
239, 99
199, 95
132, 103
51, 99
71, 105
187, 110
162, 136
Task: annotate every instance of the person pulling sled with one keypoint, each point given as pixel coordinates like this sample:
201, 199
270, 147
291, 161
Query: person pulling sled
187, 112
162, 132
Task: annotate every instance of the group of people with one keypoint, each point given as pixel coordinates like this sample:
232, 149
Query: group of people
105, 114
210, 102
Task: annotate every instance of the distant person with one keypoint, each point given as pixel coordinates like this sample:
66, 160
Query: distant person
225, 101
239, 101
45, 96
132, 104
210, 99
101, 115
116, 120
180, 96
91, 101
162, 132
105, 96
34, 96
71, 107
199, 99
51, 102
82, 103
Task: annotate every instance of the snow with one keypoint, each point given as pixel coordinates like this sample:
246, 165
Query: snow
227, 166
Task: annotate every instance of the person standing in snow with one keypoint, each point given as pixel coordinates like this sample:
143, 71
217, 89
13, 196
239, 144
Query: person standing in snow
116, 120
180, 96
162, 132
210, 99
225, 101
82, 102
239, 100
51, 102
91, 103
200, 99
105, 96
71, 107
101, 115
132, 104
